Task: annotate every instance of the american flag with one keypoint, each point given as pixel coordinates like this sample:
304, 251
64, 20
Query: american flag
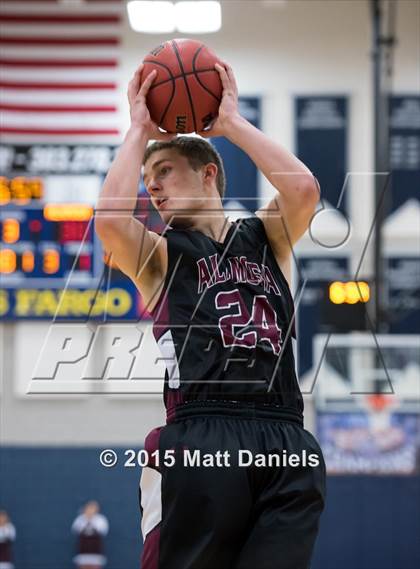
59, 66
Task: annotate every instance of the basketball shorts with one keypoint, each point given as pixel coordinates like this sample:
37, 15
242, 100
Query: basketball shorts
231, 486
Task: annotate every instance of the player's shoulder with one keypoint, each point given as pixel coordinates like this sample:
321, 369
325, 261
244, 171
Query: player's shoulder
157, 236
252, 222
252, 228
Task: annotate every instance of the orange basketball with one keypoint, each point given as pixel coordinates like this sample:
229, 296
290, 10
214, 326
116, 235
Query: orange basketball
186, 93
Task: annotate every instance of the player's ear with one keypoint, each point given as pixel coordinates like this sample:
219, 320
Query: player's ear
210, 171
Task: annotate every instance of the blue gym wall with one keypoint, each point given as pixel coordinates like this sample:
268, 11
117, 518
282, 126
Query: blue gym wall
369, 522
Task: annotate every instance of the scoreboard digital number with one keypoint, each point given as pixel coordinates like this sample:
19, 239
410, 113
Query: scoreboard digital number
20, 190
44, 240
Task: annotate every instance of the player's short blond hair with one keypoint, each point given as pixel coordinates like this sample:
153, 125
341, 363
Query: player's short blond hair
198, 151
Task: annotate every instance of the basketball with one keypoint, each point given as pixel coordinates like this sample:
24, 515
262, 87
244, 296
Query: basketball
187, 90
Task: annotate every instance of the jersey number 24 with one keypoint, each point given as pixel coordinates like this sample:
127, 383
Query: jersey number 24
263, 321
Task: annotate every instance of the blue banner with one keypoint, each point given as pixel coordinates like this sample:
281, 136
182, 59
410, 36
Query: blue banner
318, 271
321, 141
241, 172
404, 294
404, 133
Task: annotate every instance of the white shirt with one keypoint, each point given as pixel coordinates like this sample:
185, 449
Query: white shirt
97, 523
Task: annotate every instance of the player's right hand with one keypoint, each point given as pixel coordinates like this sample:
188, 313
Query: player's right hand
139, 113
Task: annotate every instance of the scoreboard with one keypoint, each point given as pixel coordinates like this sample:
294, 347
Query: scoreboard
52, 265
44, 243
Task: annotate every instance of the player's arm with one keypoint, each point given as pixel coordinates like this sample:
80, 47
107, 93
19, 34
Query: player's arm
288, 214
138, 252
132, 247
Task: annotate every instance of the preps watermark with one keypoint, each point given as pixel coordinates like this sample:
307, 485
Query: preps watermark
196, 458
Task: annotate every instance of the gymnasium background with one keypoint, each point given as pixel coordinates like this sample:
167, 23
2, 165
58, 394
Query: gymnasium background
304, 71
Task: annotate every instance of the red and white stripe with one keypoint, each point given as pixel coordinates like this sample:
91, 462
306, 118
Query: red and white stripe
59, 71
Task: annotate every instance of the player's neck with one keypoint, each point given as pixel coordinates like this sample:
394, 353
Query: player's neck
214, 226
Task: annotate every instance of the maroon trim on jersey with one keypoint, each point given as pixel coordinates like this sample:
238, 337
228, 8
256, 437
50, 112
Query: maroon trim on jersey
155, 312
173, 398
151, 444
150, 554
160, 311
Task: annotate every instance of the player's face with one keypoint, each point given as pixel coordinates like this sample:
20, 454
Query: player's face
176, 190
91, 509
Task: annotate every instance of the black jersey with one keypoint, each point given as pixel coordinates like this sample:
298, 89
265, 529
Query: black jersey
224, 320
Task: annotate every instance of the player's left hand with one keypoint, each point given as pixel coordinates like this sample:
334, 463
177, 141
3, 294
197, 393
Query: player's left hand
228, 109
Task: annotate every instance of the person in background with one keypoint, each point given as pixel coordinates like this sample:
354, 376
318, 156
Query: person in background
91, 527
7, 537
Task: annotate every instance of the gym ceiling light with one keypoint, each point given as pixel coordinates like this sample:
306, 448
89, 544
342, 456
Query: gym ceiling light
191, 16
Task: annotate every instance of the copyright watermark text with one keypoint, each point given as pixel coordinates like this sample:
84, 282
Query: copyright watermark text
196, 458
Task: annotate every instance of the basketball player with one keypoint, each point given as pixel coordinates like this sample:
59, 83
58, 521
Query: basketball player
7, 537
91, 527
223, 318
